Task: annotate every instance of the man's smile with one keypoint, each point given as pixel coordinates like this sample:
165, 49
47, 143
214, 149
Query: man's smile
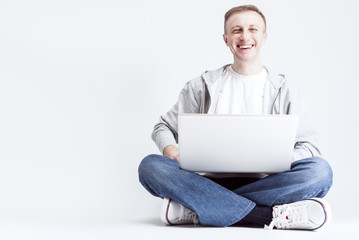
245, 46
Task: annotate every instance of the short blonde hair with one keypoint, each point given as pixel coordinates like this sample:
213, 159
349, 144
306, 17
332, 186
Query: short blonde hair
243, 8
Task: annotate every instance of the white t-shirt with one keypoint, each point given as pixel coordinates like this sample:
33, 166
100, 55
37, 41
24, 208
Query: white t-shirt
238, 94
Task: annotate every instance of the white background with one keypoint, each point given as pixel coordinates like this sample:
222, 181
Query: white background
83, 82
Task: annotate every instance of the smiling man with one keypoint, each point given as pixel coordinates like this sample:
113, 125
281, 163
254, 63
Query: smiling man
245, 34
286, 200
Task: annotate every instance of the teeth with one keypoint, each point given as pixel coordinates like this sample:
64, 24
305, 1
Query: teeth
245, 46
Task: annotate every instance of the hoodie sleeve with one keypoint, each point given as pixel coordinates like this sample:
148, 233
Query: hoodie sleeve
306, 145
165, 132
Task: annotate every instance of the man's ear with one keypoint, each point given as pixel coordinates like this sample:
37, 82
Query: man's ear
225, 39
265, 38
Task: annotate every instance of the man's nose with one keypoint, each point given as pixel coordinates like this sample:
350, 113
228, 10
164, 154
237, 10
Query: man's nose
244, 35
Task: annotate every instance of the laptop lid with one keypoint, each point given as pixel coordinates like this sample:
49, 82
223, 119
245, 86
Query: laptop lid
236, 143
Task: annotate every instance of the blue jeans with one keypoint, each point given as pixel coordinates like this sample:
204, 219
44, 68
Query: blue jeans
217, 205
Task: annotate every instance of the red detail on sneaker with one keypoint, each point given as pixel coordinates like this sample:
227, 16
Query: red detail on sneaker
287, 217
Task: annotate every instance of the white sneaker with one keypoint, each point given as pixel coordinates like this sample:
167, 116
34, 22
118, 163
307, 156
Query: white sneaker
308, 214
175, 214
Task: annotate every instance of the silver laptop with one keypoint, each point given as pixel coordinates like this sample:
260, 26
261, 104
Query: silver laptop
236, 143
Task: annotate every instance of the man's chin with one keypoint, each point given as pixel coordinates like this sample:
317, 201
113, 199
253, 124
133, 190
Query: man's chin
245, 57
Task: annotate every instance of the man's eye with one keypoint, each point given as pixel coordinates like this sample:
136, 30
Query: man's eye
253, 29
236, 30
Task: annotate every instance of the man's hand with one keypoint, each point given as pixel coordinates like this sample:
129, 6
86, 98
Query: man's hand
171, 152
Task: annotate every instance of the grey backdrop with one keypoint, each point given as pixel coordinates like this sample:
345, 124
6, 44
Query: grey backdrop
83, 82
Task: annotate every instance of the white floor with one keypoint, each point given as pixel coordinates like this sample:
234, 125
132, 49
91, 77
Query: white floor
344, 227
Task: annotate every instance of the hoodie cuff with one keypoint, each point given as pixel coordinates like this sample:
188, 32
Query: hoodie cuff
166, 142
299, 154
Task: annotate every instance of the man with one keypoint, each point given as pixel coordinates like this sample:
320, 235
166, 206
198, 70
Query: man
288, 200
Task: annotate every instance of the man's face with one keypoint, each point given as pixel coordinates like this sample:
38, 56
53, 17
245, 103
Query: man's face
245, 35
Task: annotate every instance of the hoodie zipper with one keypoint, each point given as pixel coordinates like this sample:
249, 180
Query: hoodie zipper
275, 99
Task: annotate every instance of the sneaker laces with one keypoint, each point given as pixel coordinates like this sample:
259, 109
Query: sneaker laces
188, 215
285, 216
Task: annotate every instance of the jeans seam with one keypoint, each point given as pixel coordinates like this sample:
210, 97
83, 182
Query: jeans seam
306, 196
315, 193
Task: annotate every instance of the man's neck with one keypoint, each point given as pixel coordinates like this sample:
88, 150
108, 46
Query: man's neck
247, 69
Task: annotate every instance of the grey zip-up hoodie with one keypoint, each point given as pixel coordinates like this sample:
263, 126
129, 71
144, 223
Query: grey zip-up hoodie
279, 98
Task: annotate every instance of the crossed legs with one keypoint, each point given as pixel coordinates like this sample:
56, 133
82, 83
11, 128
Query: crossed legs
216, 205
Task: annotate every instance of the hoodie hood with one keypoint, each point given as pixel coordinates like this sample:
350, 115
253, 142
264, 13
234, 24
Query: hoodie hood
209, 77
